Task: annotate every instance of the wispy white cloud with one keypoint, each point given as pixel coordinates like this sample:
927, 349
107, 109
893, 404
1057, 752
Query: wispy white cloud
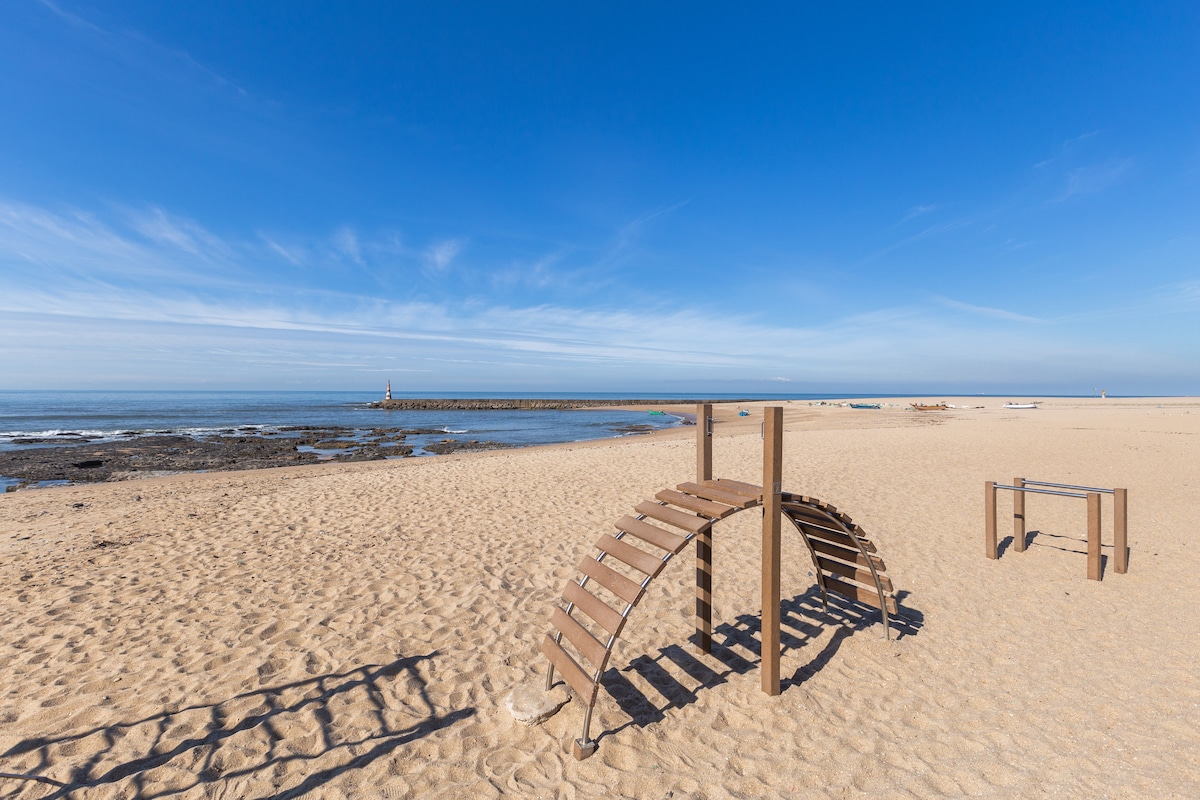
162, 228
138, 50
1178, 296
441, 255
930, 232
73, 19
1067, 149
984, 311
627, 235
1083, 137
1096, 178
345, 240
918, 211
141, 287
631, 229
293, 255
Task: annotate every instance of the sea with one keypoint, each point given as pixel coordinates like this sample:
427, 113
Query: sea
73, 418
63, 416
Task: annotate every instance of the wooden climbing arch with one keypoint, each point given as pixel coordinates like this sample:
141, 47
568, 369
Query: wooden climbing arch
613, 581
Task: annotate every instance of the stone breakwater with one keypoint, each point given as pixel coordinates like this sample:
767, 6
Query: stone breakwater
500, 404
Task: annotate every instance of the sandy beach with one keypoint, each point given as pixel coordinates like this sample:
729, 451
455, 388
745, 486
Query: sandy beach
352, 630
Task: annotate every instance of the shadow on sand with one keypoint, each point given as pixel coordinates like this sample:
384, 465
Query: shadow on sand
213, 746
1056, 541
737, 647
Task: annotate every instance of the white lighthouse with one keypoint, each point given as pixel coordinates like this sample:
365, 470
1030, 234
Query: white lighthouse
388, 394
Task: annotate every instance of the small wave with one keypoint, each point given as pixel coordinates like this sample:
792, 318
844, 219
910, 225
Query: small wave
447, 430
62, 433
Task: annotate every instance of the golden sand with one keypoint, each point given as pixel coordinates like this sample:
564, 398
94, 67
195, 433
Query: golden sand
352, 630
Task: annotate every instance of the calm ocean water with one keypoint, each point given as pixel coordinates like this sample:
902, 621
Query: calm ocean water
113, 415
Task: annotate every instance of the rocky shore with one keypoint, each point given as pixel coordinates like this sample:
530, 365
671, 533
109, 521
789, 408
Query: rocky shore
73, 458
146, 455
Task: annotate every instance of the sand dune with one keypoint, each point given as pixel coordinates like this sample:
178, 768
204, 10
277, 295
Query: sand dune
352, 630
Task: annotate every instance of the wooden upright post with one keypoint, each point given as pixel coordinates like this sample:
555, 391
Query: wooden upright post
989, 518
1093, 536
704, 540
1121, 530
772, 489
1019, 516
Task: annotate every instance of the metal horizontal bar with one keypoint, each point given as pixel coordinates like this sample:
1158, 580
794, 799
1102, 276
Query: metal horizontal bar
1039, 491
1068, 486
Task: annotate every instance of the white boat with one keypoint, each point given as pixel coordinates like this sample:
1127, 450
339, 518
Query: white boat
1020, 405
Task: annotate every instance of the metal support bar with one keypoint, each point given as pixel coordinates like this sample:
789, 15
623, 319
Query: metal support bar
1038, 491
1069, 486
584, 747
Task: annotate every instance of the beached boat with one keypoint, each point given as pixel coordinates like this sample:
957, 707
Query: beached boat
659, 413
1020, 405
743, 413
928, 407
865, 405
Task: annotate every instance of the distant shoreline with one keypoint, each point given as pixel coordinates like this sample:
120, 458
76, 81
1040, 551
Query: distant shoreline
515, 403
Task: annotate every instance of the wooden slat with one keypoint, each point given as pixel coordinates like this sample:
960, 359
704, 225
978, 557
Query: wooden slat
667, 540
572, 673
868, 596
737, 487
697, 504
604, 614
808, 514
635, 557
860, 575
592, 648
846, 554
610, 579
672, 516
847, 539
809, 509
738, 501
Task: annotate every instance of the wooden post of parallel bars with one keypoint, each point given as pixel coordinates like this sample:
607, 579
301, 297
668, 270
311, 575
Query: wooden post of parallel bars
1093, 536
704, 540
704, 450
1019, 516
989, 518
771, 532
1121, 530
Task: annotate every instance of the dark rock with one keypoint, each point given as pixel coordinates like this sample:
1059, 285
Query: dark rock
450, 446
360, 455
633, 429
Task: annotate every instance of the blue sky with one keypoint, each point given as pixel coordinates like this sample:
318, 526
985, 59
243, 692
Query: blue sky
700, 197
